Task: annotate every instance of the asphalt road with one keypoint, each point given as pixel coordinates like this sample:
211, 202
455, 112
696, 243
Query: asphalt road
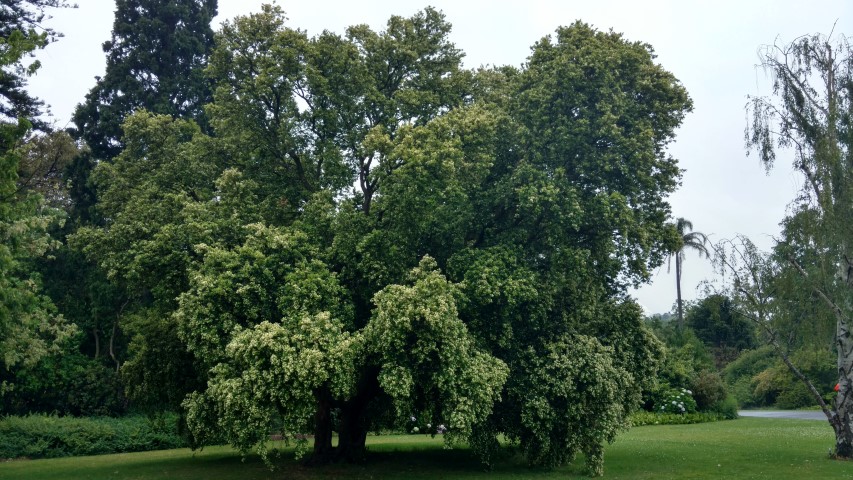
799, 414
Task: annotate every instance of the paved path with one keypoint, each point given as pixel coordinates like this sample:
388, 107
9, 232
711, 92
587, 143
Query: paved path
800, 414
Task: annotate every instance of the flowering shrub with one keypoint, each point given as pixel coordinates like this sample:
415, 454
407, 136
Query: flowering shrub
679, 401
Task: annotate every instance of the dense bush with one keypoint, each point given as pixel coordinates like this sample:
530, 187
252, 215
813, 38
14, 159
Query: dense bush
686, 357
714, 321
740, 376
759, 379
708, 389
44, 436
796, 395
642, 418
727, 408
688, 367
69, 385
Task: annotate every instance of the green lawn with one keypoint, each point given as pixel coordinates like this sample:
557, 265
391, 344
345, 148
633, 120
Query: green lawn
747, 448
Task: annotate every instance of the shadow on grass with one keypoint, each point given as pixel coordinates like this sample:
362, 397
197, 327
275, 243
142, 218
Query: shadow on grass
391, 458
386, 461
752, 448
746, 448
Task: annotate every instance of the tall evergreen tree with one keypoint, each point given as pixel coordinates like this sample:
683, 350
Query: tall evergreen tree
154, 61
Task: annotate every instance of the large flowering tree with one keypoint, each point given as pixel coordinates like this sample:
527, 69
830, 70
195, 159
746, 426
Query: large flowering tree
373, 232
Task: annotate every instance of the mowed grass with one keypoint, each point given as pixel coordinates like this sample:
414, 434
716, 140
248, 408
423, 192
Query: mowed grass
752, 448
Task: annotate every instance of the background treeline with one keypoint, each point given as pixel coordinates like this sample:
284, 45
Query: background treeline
155, 61
722, 353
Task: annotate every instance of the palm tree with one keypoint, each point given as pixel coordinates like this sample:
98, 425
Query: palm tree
689, 240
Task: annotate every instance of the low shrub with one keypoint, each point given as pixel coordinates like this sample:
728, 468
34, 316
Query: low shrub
642, 418
46, 436
708, 389
795, 395
726, 407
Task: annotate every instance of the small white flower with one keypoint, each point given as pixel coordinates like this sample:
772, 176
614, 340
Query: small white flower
414, 419
429, 425
415, 430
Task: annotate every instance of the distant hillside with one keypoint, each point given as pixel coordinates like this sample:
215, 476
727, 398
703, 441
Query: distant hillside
660, 318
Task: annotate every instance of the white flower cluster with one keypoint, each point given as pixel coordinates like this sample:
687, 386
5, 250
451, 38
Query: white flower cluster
677, 402
415, 429
680, 401
677, 405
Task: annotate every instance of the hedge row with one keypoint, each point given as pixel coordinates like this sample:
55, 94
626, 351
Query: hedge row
641, 418
45, 436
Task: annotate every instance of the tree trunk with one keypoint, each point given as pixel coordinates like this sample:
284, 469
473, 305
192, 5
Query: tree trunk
112, 345
841, 418
97, 342
353, 433
843, 433
680, 308
353, 428
842, 421
367, 188
323, 449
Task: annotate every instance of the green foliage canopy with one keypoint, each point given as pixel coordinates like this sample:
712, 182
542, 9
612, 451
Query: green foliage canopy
30, 328
154, 61
372, 232
715, 321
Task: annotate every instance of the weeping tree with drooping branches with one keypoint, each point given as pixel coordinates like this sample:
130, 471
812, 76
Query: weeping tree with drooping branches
811, 114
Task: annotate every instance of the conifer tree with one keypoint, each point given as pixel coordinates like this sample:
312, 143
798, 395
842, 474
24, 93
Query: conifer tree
154, 61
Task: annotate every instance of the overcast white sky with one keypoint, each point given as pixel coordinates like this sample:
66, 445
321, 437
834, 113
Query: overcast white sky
711, 46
